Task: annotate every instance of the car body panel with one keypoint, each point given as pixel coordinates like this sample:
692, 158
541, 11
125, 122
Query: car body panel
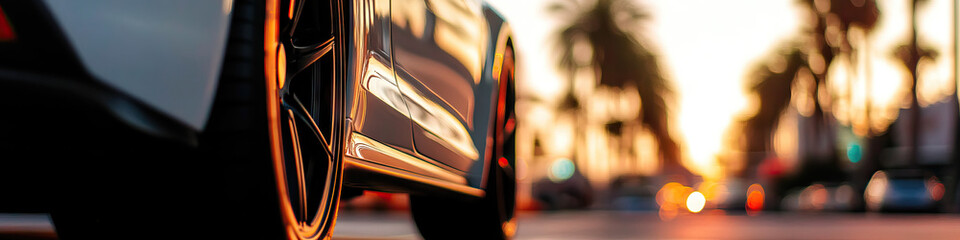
500, 34
374, 104
396, 169
385, 95
408, 124
169, 63
438, 53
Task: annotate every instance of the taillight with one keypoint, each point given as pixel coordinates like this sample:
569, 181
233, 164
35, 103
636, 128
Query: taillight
6, 30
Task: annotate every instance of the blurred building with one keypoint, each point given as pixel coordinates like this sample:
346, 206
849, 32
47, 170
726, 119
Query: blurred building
548, 133
881, 105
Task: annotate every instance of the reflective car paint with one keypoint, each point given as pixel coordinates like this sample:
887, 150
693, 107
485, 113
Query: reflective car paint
438, 54
495, 53
171, 64
379, 121
373, 103
440, 119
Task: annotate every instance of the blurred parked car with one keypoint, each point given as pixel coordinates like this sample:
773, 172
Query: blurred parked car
903, 190
564, 188
633, 193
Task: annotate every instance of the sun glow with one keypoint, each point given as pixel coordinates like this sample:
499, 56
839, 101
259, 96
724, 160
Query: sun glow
703, 51
707, 62
695, 202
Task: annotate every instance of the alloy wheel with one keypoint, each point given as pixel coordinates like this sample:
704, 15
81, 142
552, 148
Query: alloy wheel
302, 46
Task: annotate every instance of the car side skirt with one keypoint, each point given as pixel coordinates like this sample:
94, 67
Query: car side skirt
369, 164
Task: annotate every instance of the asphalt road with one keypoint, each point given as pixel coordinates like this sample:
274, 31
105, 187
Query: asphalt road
618, 225
714, 225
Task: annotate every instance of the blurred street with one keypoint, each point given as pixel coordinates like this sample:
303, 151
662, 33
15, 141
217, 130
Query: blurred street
624, 225
715, 225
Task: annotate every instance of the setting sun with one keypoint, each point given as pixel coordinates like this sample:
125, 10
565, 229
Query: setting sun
707, 63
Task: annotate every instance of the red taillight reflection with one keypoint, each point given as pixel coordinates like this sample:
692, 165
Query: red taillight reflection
755, 199
503, 162
6, 31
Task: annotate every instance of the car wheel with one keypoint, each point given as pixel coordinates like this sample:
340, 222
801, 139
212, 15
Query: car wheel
492, 216
307, 124
306, 114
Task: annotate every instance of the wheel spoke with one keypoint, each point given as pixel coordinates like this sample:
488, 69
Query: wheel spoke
298, 163
308, 65
300, 112
296, 9
307, 55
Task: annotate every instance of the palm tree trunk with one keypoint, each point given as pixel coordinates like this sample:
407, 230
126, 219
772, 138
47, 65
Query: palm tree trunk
914, 105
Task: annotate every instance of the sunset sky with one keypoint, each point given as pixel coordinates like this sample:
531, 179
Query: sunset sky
707, 47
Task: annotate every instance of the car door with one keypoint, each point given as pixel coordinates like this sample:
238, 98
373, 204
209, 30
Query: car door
438, 59
378, 112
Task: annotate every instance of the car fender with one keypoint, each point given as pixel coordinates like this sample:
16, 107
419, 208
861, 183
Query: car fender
500, 34
167, 54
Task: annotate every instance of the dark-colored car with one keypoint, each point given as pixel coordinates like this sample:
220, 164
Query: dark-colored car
252, 119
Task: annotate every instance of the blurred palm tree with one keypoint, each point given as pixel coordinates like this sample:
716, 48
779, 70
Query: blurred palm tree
827, 38
599, 38
773, 84
910, 54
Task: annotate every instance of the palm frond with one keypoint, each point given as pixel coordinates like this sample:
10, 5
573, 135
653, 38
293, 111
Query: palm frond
621, 60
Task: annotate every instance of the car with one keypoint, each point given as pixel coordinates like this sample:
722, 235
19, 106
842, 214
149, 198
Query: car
903, 190
253, 119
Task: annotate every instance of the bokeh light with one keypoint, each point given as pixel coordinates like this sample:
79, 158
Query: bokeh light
935, 188
814, 198
875, 191
854, 153
696, 202
561, 170
755, 198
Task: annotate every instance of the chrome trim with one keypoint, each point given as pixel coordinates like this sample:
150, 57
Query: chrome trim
365, 149
366, 166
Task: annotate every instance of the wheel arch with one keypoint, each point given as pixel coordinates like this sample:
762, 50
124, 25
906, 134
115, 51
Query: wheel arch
500, 37
187, 44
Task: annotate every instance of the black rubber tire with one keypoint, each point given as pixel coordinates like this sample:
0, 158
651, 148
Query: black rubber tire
492, 216
236, 142
239, 137
132, 191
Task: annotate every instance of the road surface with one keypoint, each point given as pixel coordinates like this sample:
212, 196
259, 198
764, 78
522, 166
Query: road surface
590, 225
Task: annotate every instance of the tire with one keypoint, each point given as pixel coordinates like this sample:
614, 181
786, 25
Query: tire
264, 168
299, 140
493, 215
